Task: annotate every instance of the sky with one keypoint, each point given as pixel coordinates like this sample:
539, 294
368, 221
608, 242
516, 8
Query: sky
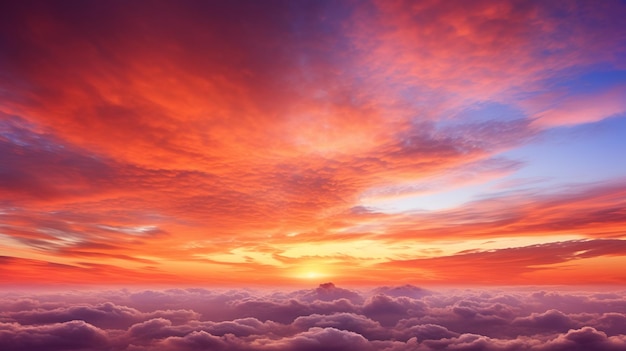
287, 143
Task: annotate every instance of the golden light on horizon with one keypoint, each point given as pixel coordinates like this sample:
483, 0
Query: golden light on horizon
312, 271
312, 275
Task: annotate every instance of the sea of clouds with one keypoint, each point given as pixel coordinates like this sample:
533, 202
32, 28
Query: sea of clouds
325, 318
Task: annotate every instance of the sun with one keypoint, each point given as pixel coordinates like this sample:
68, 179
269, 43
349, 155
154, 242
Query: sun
312, 275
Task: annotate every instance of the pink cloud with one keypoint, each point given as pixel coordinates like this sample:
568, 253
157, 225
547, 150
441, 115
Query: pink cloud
496, 320
587, 108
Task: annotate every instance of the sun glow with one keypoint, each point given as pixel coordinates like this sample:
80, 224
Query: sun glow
310, 273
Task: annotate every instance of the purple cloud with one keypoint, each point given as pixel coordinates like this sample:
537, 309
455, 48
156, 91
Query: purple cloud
325, 318
74, 335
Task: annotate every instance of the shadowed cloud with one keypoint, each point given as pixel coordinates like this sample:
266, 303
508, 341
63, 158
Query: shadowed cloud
134, 320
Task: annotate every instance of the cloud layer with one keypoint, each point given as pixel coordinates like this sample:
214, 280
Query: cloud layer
325, 318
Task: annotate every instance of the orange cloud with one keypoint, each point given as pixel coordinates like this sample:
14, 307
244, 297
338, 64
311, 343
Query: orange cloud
537, 264
594, 211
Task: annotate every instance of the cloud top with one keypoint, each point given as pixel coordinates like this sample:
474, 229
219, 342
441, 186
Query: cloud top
200, 319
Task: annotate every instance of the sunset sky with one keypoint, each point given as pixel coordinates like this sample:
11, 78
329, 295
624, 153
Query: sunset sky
267, 143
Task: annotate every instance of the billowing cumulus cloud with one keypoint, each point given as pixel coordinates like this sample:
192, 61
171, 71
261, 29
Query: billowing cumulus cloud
201, 319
